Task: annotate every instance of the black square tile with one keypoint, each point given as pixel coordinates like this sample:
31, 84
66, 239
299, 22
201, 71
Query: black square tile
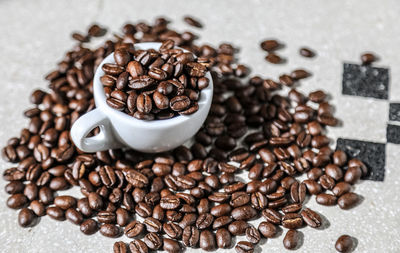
394, 112
365, 81
371, 153
393, 134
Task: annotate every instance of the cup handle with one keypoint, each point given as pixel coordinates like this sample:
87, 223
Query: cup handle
86, 123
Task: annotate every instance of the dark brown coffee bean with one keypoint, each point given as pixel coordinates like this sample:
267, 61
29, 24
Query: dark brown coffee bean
26, 217
55, 213
173, 230
223, 238
17, 201
120, 247
272, 216
89, 227
341, 188
74, 216
368, 58
64, 202
170, 202
112, 69
46, 195
207, 240
292, 220
344, 243
121, 56
267, 229
243, 213
153, 241
95, 201
326, 199
291, 239
136, 178
306, 52
327, 182
133, 229
311, 218
171, 246
152, 225
253, 235
179, 103
204, 221
244, 247
190, 236
348, 200
138, 246
192, 21
221, 210
352, 175
339, 158
269, 45
122, 216
298, 192
37, 207
14, 187
238, 227
110, 230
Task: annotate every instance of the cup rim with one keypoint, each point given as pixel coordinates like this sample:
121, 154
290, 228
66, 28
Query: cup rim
100, 98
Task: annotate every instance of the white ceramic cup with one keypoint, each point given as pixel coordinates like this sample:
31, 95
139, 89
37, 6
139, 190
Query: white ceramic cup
118, 129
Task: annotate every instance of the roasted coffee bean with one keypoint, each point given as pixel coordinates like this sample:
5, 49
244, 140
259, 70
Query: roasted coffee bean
272, 216
37, 207
110, 230
341, 188
121, 56
190, 236
267, 229
17, 201
269, 45
291, 239
306, 52
311, 218
238, 227
244, 247
243, 213
223, 238
259, 201
46, 196
292, 208
312, 186
153, 241
170, 202
152, 225
138, 246
89, 227
207, 240
298, 192
74, 216
348, 200
173, 230
253, 235
221, 210
133, 229
326, 199
14, 187
55, 213
292, 220
64, 202
120, 247
344, 243
204, 221
327, 182
352, 175
136, 178
368, 58
95, 201
192, 21
26, 217
171, 246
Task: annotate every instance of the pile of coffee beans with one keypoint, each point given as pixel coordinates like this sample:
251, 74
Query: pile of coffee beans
155, 84
193, 196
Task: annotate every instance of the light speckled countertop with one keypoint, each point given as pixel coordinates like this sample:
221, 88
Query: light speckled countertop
35, 34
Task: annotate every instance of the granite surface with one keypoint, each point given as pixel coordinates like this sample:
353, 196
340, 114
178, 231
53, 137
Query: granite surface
35, 34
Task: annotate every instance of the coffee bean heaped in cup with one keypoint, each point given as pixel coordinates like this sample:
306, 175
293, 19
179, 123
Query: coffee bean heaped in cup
154, 84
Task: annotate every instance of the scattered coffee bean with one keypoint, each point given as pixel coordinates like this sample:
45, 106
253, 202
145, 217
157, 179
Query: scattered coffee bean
348, 200
291, 239
192, 21
306, 52
368, 58
344, 243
